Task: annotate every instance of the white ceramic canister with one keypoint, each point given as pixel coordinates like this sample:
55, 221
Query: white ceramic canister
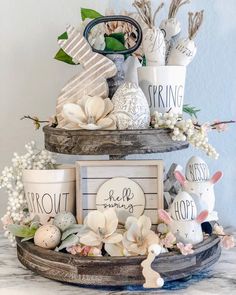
163, 87
49, 192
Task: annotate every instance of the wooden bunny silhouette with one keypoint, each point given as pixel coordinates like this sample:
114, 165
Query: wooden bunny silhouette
152, 278
91, 81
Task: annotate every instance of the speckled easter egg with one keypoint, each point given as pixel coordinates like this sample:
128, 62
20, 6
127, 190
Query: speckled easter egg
47, 236
183, 207
131, 107
197, 170
64, 220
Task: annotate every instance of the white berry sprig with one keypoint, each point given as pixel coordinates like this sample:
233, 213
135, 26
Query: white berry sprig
189, 130
11, 181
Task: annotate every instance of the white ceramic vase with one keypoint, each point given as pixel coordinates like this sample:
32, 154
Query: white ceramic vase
49, 192
163, 87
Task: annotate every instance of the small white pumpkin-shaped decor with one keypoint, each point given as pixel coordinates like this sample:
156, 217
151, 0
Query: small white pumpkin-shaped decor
47, 236
64, 220
197, 170
131, 107
183, 207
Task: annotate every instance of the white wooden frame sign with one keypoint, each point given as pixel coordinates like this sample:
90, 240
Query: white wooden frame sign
145, 193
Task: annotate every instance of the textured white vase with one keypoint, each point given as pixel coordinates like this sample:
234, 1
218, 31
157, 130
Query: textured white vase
163, 87
49, 192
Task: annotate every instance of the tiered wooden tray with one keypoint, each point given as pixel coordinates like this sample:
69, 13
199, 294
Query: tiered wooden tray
107, 142
113, 271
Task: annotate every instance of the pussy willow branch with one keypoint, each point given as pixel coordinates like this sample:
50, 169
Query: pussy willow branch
213, 126
33, 119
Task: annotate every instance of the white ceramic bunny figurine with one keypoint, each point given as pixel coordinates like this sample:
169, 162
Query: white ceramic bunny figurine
203, 190
188, 231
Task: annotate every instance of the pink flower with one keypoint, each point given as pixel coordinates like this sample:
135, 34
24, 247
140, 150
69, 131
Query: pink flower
218, 230
6, 220
84, 250
220, 127
185, 249
228, 242
74, 249
168, 241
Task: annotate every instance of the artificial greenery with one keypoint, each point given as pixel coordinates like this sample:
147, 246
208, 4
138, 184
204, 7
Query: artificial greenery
190, 110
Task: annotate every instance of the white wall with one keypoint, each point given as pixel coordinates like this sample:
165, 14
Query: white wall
30, 79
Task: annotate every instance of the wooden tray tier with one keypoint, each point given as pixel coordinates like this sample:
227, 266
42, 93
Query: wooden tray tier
106, 142
115, 271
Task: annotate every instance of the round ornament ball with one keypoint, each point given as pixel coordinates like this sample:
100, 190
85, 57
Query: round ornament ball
64, 220
183, 207
197, 170
47, 236
131, 107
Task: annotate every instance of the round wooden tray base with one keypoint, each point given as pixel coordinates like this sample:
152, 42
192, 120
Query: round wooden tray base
110, 142
115, 271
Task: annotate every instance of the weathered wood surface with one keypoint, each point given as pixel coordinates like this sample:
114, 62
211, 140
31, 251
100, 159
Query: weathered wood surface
107, 142
115, 271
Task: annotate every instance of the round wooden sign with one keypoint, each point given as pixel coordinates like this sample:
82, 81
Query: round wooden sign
123, 194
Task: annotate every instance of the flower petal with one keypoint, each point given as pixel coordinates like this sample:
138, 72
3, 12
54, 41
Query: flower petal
94, 107
73, 113
95, 220
91, 239
145, 224
140, 250
108, 107
129, 221
114, 249
133, 233
152, 238
113, 239
111, 221
107, 123
90, 127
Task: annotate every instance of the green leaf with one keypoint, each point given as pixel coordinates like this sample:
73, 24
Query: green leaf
73, 229
144, 61
89, 13
62, 56
118, 36
21, 231
68, 242
27, 239
113, 45
63, 36
192, 111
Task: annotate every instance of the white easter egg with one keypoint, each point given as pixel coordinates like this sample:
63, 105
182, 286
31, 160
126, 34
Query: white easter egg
131, 107
183, 207
197, 170
47, 236
64, 220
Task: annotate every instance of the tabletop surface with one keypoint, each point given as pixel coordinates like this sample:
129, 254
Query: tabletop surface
15, 279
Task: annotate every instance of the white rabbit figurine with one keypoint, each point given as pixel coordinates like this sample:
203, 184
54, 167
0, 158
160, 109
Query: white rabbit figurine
204, 191
187, 232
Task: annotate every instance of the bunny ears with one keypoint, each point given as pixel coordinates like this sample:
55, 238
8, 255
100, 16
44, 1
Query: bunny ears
164, 216
182, 180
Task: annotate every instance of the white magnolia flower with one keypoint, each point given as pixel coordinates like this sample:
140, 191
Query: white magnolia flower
102, 229
91, 113
139, 236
